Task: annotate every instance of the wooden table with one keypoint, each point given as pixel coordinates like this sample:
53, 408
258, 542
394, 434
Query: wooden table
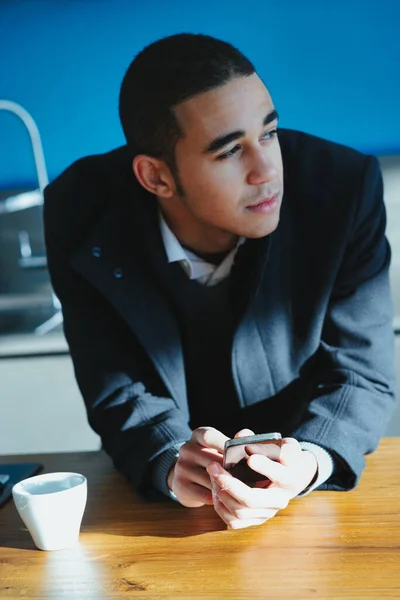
328, 545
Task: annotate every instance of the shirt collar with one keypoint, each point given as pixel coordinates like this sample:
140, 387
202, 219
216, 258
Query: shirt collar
195, 266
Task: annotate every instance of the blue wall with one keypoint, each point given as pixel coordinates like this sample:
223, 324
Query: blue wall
331, 67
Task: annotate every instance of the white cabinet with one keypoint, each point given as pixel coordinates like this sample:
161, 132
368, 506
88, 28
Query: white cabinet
41, 409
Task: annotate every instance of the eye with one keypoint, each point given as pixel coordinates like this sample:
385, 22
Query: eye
268, 135
228, 154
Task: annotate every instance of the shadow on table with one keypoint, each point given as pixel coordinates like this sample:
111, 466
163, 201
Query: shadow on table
163, 523
130, 518
162, 519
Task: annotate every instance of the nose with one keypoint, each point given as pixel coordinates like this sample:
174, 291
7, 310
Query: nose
262, 168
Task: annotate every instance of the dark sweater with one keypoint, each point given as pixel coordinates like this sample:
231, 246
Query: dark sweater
208, 317
207, 329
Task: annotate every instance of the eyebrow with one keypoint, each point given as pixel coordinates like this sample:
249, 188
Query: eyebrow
223, 140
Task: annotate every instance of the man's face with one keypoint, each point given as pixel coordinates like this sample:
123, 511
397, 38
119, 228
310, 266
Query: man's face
229, 163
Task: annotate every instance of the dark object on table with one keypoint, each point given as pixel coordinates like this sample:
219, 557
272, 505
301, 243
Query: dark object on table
12, 474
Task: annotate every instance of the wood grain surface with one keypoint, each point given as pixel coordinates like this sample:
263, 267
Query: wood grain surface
327, 545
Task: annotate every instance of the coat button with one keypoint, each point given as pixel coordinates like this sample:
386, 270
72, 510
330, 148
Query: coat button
118, 273
96, 251
186, 267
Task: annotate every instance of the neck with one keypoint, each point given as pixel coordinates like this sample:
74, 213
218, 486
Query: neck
215, 258
201, 239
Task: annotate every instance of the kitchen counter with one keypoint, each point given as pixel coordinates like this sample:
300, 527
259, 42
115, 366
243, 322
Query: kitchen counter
29, 344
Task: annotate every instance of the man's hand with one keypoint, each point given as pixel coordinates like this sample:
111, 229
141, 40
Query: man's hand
240, 506
188, 478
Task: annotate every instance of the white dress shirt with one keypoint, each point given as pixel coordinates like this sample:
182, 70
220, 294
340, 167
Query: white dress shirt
194, 266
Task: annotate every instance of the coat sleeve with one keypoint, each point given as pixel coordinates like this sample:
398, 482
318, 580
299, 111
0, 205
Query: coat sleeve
127, 404
353, 383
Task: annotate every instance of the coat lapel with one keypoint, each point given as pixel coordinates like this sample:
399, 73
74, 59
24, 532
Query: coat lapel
113, 259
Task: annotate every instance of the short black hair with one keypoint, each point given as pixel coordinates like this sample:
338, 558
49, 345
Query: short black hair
164, 74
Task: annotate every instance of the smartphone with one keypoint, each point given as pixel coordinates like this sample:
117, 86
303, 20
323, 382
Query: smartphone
235, 455
14, 473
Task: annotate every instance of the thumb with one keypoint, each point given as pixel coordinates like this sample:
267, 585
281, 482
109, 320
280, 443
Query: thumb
244, 433
290, 451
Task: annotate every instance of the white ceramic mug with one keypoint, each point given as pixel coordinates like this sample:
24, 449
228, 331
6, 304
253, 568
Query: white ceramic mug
52, 507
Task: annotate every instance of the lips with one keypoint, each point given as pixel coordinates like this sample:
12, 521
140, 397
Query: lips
264, 205
263, 200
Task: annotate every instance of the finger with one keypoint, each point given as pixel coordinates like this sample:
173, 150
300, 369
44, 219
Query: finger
271, 469
230, 520
290, 451
244, 433
239, 524
298, 471
222, 511
271, 450
242, 512
290, 440
192, 452
209, 437
193, 495
273, 497
278, 472
226, 481
188, 472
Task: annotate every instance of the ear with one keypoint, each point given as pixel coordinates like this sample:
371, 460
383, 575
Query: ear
154, 175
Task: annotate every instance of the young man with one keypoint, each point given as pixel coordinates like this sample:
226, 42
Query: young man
217, 275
